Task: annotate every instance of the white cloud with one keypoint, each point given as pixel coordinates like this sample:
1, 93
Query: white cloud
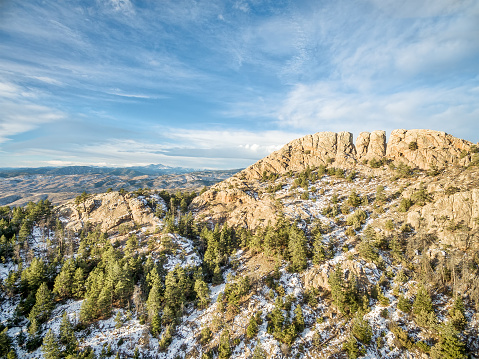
326, 107
47, 80
423, 8
242, 5
124, 6
22, 117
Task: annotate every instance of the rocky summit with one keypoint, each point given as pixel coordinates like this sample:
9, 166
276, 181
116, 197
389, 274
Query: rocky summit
326, 248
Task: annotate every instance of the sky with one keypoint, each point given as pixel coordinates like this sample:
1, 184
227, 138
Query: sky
221, 84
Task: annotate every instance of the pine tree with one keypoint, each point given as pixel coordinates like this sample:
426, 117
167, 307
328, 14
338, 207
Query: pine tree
50, 346
78, 285
202, 292
5, 342
67, 335
43, 304
252, 328
354, 200
155, 327
457, 313
224, 349
88, 310
136, 354
336, 283
319, 254
361, 330
34, 275
423, 309
104, 304
166, 337
297, 249
258, 352
118, 320
450, 345
217, 275
153, 303
269, 242
64, 280
352, 348
298, 318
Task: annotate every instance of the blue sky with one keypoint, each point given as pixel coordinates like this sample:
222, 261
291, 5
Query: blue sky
220, 84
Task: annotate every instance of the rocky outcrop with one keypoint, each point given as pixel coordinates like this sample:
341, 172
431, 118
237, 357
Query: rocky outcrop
236, 202
427, 148
417, 148
371, 145
311, 150
107, 210
454, 219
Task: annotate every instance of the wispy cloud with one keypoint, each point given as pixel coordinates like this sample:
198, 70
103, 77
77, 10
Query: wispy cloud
21, 117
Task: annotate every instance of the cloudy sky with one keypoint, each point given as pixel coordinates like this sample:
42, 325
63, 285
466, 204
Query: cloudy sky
220, 84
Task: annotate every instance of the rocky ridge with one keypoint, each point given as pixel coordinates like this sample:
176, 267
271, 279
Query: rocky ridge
236, 199
433, 148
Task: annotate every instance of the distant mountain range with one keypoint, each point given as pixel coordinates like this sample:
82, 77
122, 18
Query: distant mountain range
150, 170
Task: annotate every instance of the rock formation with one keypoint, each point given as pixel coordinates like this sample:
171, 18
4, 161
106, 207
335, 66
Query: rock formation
426, 148
108, 210
236, 201
454, 219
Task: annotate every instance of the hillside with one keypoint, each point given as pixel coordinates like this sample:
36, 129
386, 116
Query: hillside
323, 249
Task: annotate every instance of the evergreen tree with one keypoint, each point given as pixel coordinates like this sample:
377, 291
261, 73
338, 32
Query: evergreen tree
5, 342
172, 291
269, 242
354, 200
361, 330
88, 310
155, 327
118, 320
217, 275
336, 284
276, 320
352, 348
298, 318
224, 349
202, 292
457, 313
258, 352
104, 303
50, 346
319, 254
64, 280
78, 284
252, 328
423, 309
67, 335
297, 249
153, 303
25, 232
43, 304
166, 337
450, 345
34, 275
